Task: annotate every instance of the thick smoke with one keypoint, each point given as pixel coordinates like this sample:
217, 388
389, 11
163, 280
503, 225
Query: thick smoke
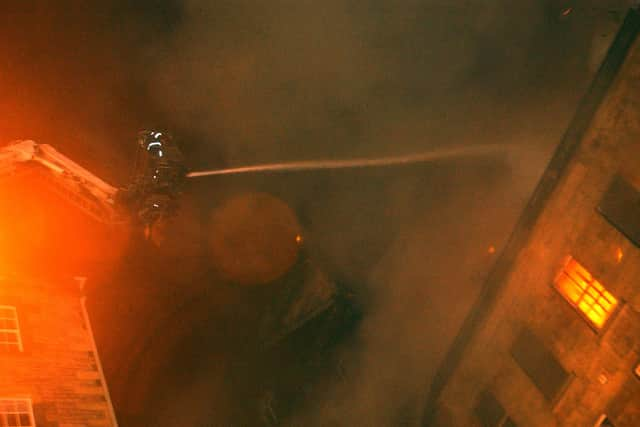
284, 81
244, 82
260, 82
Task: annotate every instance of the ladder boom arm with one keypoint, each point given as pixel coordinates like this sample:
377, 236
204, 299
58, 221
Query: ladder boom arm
81, 187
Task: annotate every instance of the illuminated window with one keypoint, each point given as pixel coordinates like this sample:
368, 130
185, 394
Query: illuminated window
9, 328
16, 413
585, 293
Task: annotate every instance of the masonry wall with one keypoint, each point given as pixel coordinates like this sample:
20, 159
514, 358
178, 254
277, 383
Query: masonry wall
600, 363
57, 368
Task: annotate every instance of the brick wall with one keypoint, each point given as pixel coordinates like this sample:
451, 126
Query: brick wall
57, 368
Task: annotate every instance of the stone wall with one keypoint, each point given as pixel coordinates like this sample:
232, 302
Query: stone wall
57, 368
599, 362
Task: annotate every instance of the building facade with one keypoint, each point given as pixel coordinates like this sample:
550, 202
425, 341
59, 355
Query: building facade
554, 339
50, 375
52, 228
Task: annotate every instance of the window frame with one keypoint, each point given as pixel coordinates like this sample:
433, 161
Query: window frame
16, 331
610, 314
16, 401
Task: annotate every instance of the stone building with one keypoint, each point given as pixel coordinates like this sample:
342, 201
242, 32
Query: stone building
554, 338
50, 372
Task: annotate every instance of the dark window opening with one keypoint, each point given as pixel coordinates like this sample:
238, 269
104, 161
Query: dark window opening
604, 421
539, 364
621, 207
490, 412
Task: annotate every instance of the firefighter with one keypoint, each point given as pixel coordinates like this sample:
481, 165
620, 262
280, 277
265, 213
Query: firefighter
157, 182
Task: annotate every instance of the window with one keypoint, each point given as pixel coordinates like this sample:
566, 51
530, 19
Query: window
9, 328
16, 413
585, 293
539, 364
621, 207
604, 421
490, 412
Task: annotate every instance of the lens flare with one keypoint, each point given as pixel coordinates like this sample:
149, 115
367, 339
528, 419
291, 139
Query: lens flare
254, 238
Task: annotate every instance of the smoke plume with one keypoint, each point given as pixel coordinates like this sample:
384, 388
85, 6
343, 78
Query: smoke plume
243, 82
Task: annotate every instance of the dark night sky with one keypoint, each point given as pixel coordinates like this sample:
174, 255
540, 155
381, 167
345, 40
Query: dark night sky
241, 82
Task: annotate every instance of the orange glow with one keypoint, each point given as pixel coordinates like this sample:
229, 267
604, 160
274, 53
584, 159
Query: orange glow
492, 249
619, 254
298, 238
40, 231
585, 293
